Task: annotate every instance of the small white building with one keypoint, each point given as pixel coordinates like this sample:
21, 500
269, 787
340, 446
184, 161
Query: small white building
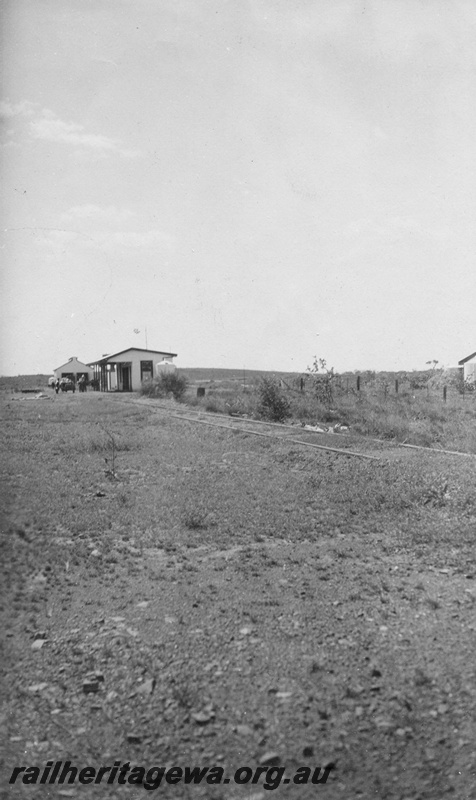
74, 369
469, 368
127, 370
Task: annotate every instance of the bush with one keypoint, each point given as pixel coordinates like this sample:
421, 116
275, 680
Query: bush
467, 386
272, 403
324, 379
165, 384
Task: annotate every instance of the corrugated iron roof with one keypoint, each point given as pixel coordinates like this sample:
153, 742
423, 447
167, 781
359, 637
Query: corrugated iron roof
468, 358
105, 359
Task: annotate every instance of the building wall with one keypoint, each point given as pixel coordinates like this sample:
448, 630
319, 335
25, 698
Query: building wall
132, 358
74, 367
470, 370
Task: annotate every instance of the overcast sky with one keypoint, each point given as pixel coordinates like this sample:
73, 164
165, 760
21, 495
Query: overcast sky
254, 181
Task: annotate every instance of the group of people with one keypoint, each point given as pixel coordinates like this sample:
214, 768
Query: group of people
68, 383
64, 384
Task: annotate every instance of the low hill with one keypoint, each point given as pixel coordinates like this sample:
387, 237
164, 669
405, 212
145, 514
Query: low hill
19, 382
204, 375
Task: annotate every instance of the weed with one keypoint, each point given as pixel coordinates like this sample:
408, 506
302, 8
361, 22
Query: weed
125, 499
237, 407
341, 553
112, 471
195, 520
184, 695
421, 678
436, 494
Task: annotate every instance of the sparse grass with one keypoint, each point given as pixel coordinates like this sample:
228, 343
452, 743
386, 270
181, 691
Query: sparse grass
415, 417
170, 485
326, 536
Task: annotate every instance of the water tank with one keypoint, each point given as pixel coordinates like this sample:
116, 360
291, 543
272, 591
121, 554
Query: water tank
165, 366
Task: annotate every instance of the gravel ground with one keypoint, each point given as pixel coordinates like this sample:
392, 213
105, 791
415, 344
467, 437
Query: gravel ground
177, 595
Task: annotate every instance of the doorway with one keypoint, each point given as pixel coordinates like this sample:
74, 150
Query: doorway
125, 381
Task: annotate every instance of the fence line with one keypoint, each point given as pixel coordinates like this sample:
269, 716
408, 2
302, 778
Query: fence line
309, 384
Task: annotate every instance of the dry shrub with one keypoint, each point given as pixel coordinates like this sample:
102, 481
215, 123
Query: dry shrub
165, 384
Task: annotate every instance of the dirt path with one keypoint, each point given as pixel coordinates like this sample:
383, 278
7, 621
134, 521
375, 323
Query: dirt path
225, 600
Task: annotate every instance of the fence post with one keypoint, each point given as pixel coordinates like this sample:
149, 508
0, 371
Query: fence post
396, 385
358, 383
444, 394
302, 384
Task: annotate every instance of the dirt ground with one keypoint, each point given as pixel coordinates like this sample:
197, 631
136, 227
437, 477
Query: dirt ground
181, 595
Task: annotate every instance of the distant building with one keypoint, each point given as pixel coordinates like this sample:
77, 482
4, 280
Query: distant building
469, 368
127, 370
74, 369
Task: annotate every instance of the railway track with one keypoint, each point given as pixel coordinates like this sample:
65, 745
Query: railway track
348, 444
269, 430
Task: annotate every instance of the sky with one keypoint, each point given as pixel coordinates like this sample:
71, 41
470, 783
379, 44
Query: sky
246, 183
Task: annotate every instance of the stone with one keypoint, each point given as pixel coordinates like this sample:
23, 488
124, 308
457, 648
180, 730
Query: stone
147, 687
244, 730
90, 686
202, 717
271, 758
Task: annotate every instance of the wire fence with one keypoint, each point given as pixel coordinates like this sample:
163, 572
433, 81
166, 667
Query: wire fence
327, 387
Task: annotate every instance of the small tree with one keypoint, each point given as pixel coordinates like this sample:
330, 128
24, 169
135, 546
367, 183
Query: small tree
272, 403
324, 379
433, 364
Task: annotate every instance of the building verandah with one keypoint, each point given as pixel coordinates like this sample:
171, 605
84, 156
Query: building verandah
127, 370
